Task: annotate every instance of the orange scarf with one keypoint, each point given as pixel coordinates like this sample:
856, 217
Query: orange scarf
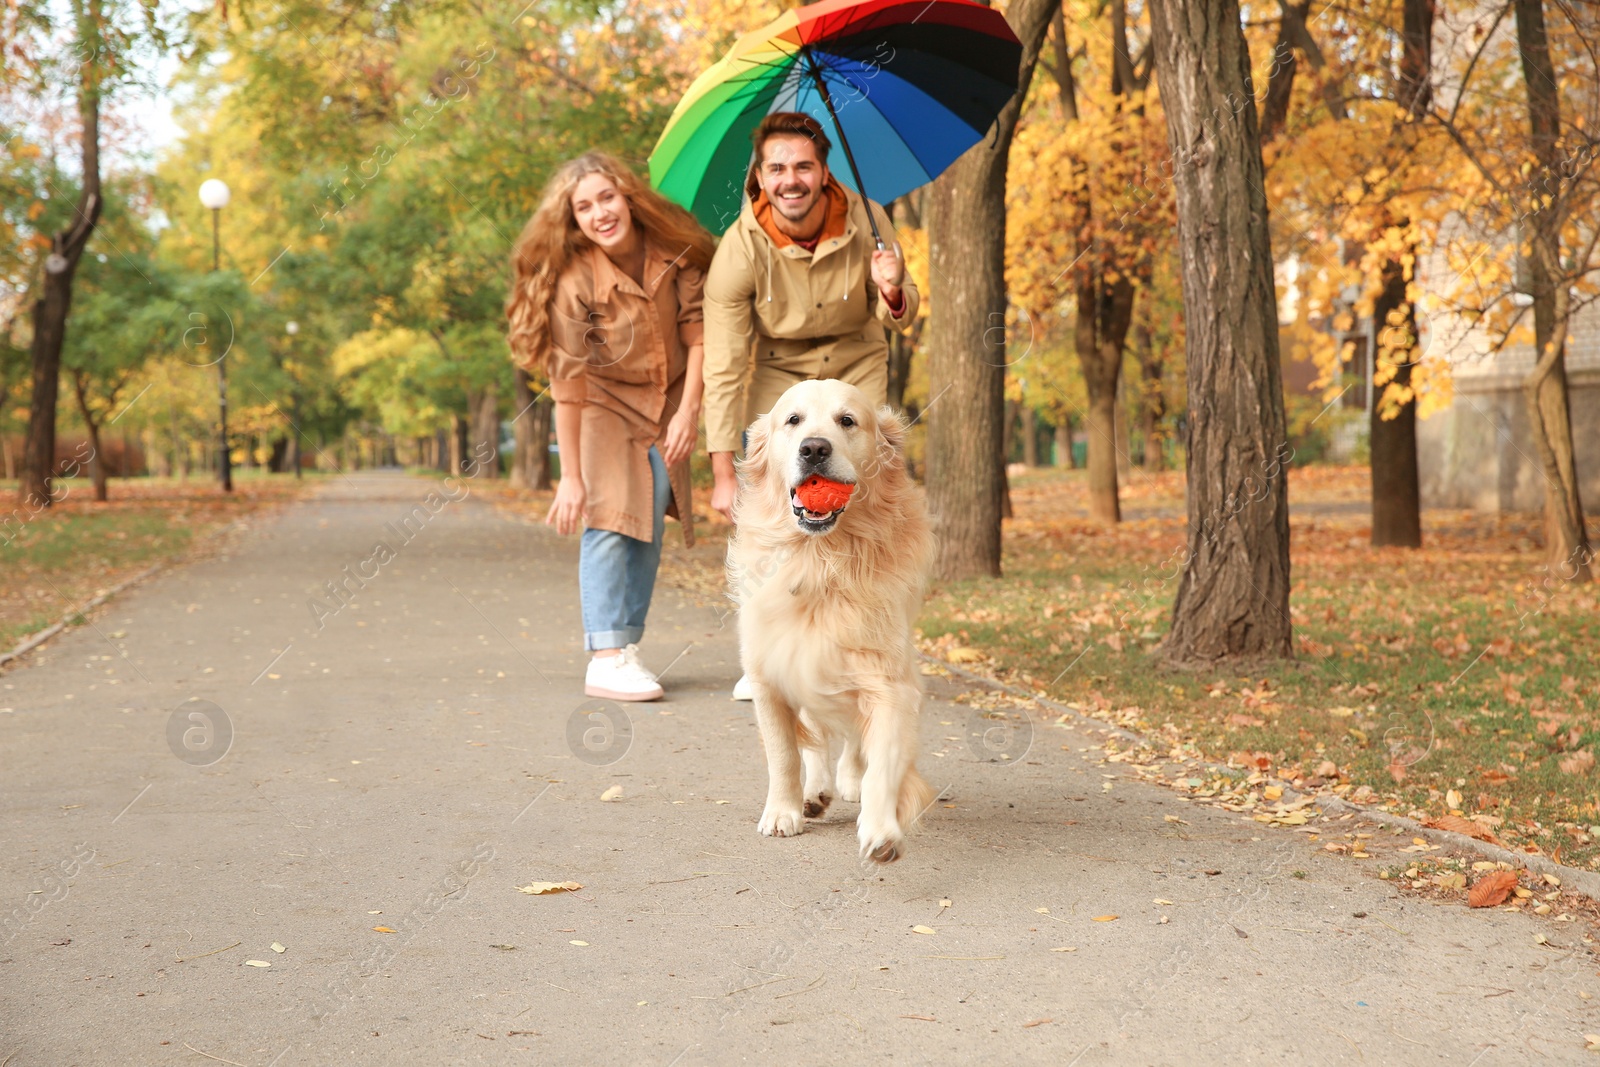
833, 220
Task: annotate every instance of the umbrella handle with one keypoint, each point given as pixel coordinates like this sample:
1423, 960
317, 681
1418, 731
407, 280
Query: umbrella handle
849, 156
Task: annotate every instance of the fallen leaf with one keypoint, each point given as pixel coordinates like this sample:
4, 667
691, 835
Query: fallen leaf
257, 963
1106, 918
580, 944
1158, 900
538, 888
1492, 889
1594, 1042
1452, 799
1065, 948
1580, 762
611, 794
382, 930
1036, 1022
923, 930
278, 948
958, 654
1456, 824
1041, 911
505, 948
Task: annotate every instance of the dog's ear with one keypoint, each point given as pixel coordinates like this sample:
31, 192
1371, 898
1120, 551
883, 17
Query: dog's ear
891, 428
889, 455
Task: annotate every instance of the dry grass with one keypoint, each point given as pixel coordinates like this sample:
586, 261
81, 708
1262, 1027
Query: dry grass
54, 560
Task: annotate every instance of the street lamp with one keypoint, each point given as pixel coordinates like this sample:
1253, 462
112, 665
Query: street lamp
214, 195
291, 328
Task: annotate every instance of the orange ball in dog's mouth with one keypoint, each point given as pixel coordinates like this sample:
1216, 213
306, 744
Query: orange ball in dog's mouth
818, 500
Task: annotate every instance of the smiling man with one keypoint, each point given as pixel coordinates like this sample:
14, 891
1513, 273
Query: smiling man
797, 290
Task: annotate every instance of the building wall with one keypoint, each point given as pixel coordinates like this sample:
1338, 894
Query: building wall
1479, 453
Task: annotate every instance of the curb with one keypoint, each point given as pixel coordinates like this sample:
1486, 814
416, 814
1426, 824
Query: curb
33, 641
1585, 882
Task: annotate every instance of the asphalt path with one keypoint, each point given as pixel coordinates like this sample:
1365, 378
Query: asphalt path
236, 757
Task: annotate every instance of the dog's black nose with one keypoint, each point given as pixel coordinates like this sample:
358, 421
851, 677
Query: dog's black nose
814, 451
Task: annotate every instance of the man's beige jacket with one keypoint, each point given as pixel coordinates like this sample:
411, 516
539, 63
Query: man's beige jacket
777, 316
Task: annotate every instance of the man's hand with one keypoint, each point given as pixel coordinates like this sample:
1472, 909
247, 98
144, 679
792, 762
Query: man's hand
725, 485
888, 271
681, 433
566, 511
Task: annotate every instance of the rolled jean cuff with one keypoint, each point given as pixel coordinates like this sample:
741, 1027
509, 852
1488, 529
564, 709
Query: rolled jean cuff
612, 638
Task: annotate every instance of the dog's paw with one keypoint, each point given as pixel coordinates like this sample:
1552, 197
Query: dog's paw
850, 792
883, 847
818, 804
775, 823
884, 850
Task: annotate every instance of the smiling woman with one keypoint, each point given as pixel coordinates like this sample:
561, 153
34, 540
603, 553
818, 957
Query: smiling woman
606, 295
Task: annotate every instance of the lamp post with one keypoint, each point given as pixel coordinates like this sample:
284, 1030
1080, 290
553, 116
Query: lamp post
214, 195
291, 328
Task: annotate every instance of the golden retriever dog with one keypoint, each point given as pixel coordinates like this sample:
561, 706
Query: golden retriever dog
826, 605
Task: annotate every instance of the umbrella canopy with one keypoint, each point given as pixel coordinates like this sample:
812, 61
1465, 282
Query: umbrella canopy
911, 84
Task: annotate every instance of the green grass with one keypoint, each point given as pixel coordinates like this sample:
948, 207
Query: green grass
1416, 673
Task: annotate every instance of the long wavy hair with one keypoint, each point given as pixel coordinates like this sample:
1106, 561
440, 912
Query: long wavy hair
551, 241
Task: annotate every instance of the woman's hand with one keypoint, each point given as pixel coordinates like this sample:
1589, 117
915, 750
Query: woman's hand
566, 511
681, 434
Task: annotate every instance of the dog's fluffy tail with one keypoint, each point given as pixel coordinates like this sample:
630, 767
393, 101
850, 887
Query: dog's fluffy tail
916, 796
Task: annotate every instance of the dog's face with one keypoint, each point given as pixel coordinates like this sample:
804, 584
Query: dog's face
826, 428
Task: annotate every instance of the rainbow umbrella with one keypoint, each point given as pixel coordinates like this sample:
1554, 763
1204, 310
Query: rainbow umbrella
915, 83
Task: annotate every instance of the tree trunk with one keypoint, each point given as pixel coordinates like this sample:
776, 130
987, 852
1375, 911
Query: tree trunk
903, 212
1396, 487
541, 416
1124, 431
278, 463
1008, 432
901, 347
1064, 456
1545, 389
1030, 436
97, 463
484, 459
1233, 596
459, 448
1153, 398
1104, 312
1104, 306
1396, 497
967, 231
524, 456
66, 249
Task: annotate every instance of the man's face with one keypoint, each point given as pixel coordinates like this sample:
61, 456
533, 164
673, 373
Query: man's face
792, 176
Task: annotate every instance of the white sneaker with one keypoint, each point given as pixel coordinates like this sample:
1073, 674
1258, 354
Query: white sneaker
621, 677
742, 689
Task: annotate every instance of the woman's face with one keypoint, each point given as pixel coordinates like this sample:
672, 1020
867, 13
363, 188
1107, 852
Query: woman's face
602, 213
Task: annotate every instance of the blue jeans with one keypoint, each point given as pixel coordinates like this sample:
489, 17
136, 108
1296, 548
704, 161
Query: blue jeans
617, 574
